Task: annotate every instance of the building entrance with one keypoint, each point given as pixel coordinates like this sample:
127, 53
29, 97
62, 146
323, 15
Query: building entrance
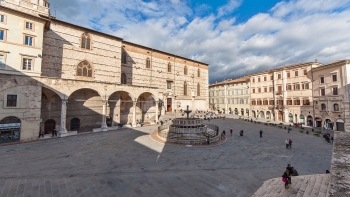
10, 129
169, 107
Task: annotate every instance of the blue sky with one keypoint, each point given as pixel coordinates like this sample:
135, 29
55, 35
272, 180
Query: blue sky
236, 37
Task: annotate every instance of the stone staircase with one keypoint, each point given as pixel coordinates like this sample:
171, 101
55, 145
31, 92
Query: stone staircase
302, 186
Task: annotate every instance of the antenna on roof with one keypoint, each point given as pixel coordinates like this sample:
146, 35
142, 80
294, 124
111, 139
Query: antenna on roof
54, 7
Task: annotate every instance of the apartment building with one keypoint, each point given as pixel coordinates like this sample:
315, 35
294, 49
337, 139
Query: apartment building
331, 95
231, 96
284, 94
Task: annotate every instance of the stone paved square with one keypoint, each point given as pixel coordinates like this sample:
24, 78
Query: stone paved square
128, 162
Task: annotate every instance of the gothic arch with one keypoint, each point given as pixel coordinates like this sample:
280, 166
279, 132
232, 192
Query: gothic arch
85, 69
85, 41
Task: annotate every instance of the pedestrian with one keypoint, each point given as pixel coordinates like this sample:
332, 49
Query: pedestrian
290, 143
285, 177
41, 133
290, 169
224, 132
54, 132
231, 132
241, 133
332, 139
287, 143
208, 140
261, 132
289, 129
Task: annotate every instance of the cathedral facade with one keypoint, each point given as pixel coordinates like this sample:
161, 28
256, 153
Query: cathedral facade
57, 75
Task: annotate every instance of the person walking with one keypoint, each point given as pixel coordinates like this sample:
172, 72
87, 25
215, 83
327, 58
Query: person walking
41, 133
285, 177
290, 169
54, 132
332, 139
290, 143
289, 129
231, 132
287, 143
261, 132
241, 133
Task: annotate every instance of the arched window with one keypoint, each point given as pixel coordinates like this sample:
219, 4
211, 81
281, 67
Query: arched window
198, 89
148, 63
169, 67
323, 107
336, 107
199, 73
85, 41
84, 69
123, 57
123, 80
185, 88
185, 70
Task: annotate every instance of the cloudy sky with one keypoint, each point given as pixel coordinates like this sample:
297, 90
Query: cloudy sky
236, 37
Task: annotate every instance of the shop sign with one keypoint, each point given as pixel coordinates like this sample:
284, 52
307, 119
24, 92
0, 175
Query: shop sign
10, 125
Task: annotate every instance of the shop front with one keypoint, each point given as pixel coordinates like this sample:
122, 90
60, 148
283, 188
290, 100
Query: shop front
10, 129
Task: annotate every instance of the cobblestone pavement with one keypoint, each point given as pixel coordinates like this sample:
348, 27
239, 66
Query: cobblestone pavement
128, 163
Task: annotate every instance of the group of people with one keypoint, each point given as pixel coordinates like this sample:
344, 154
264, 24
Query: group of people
288, 143
231, 131
42, 133
287, 175
328, 138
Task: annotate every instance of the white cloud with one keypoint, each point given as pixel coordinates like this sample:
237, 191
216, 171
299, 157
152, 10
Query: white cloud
291, 32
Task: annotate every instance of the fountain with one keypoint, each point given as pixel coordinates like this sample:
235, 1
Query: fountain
189, 131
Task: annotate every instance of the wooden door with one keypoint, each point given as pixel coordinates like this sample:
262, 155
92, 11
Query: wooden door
169, 105
49, 126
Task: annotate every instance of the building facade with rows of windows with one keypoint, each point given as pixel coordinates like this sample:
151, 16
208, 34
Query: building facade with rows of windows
57, 75
231, 96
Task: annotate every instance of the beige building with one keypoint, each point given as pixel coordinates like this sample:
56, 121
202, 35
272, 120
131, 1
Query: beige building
284, 94
231, 96
331, 95
73, 79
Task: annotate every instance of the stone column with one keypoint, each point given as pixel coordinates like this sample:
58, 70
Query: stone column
63, 116
157, 106
104, 111
134, 114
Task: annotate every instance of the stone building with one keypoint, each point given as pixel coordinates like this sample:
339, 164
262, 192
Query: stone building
231, 96
59, 75
331, 94
284, 94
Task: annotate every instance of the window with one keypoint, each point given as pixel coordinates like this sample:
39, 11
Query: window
198, 73
323, 107
123, 57
85, 41
228, 101
123, 79
27, 64
289, 102
272, 102
2, 61
198, 89
265, 89
2, 34
307, 86
253, 90
279, 88
305, 72
264, 78
322, 92
289, 87
259, 89
185, 88
279, 76
322, 79
336, 107
259, 79
28, 40
296, 73
168, 84
266, 102
223, 93
233, 101
335, 90
29, 25
11, 101
271, 77
84, 69
271, 89
148, 63
302, 86
334, 77
246, 91
185, 70
296, 102
2, 18
169, 67
279, 102
253, 80
288, 75
306, 102
233, 92
296, 86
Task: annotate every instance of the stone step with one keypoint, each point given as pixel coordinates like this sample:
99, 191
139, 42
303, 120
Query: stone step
302, 186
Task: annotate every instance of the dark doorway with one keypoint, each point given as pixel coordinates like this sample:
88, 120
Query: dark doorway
75, 124
340, 125
280, 116
50, 125
169, 104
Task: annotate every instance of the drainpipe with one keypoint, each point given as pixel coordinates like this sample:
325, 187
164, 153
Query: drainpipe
313, 103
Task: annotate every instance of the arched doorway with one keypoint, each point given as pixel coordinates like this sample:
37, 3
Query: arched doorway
268, 115
10, 129
309, 121
254, 114
318, 122
328, 124
247, 112
146, 108
290, 117
296, 118
280, 116
120, 108
74, 124
262, 114
236, 111
302, 119
242, 112
50, 125
340, 125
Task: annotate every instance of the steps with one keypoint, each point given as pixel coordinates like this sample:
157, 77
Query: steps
302, 186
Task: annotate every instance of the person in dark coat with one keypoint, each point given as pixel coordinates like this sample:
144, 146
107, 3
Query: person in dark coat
261, 132
286, 175
241, 133
54, 132
290, 169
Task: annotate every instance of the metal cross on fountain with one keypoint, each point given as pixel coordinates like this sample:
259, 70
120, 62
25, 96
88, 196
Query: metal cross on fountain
187, 111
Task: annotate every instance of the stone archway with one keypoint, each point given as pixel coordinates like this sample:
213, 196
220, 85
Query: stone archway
50, 125
268, 115
328, 124
247, 112
87, 106
302, 119
290, 117
51, 107
262, 114
146, 108
120, 106
10, 129
253, 114
340, 125
310, 120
